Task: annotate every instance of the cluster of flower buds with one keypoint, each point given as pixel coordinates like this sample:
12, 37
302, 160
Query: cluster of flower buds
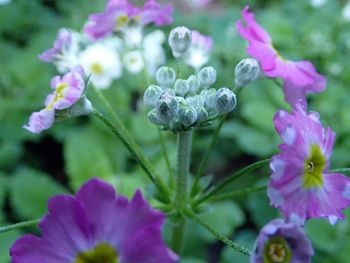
180, 104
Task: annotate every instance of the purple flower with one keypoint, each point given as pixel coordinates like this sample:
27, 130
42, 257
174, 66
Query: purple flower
119, 13
301, 185
299, 77
282, 242
66, 92
96, 226
64, 39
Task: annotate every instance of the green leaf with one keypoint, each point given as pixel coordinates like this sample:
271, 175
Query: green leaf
6, 241
225, 217
86, 156
3, 189
30, 191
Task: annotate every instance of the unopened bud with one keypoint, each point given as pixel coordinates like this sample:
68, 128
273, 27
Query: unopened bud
225, 101
82, 107
152, 116
181, 87
207, 76
209, 97
197, 102
179, 40
246, 71
167, 107
165, 76
152, 94
194, 84
188, 116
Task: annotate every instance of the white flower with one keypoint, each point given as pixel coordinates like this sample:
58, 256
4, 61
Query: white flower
346, 12
102, 62
133, 61
154, 53
132, 36
317, 3
70, 53
5, 2
199, 52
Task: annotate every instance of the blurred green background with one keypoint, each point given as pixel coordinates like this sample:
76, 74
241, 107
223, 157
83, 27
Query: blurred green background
34, 168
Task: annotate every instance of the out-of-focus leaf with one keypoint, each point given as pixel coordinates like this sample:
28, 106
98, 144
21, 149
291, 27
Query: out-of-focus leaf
30, 191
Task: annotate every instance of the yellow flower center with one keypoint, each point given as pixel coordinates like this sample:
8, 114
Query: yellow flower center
102, 253
314, 166
96, 68
121, 21
59, 94
277, 251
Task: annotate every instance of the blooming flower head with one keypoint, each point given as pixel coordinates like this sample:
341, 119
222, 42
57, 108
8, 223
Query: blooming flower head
301, 185
102, 63
120, 13
64, 51
282, 242
96, 226
299, 77
199, 52
67, 91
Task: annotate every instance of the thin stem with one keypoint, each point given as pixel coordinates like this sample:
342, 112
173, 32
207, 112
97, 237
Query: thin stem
229, 195
184, 145
235, 176
120, 131
204, 161
166, 158
34, 222
345, 171
216, 234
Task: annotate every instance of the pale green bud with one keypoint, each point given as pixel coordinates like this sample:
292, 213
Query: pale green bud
207, 76
152, 94
165, 76
225, 101
188, 116
194, 84
166, 107
179, 40
209, 97
181, 87
246, 71
152, 116
82, 107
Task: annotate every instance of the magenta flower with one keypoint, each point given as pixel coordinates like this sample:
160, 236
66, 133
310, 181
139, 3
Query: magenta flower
66, 92
118, 14
96, 226
64, 39
299, 77
301, 185
282, 242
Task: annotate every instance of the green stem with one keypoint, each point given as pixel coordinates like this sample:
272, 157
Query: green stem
229, 195
216, 234
184, 145
166, 158
345, 171
204, 161
34, 222
120, 131
230, 179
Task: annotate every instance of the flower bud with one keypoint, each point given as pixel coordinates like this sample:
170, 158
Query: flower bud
152, 116
197, 102
179, 40
151, 95
181, 87
246, 71
165, 76
194, 84
167, 107
209, 97
207, 76
225, 101
82, 107
188, 116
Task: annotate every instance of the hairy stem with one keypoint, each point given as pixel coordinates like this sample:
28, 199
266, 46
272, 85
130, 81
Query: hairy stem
184, 145
235, 176
216, 234
34, 222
